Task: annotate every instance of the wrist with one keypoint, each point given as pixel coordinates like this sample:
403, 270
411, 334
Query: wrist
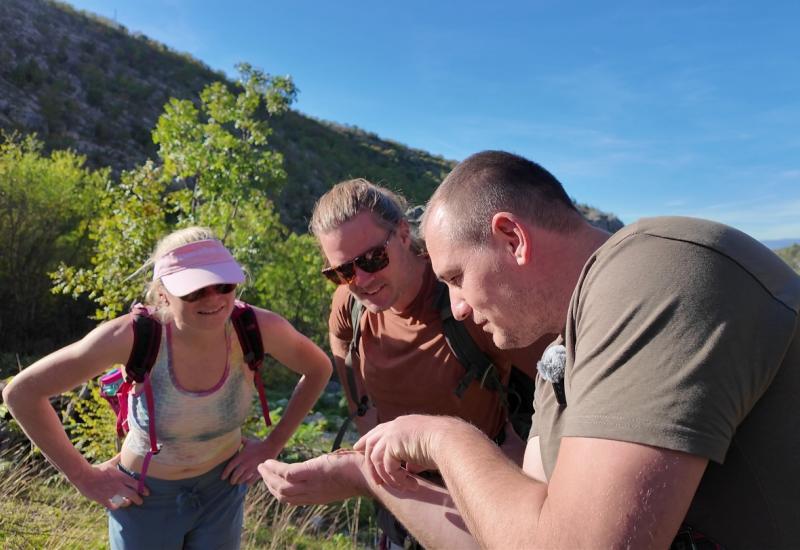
352, 463
268, 447
447, 430
79, 474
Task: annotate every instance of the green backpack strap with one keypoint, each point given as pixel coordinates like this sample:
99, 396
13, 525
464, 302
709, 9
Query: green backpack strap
356, 311
361, 401
477, 365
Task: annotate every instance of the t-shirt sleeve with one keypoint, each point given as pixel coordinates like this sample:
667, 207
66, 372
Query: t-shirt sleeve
340, 325
673, 345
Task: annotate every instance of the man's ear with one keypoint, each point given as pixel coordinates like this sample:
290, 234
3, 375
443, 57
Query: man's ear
403, 232
513, 236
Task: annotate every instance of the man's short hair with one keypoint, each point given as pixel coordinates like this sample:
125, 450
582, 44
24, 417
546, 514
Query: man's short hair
496, 181
349, 198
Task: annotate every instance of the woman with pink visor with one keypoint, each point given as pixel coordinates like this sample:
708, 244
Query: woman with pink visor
193, 495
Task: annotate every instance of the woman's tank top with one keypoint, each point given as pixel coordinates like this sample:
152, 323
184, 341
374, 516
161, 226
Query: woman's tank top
191, 427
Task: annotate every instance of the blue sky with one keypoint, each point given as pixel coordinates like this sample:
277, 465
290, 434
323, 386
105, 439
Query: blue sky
640, 108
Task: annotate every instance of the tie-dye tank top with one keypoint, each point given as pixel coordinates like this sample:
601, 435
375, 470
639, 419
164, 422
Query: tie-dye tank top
191, 426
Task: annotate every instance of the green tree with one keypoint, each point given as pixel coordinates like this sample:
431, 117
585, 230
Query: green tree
217, 170
44, 205
130, 218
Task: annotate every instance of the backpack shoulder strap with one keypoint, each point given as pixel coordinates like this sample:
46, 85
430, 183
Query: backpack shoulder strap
477, 364
146, 343
245, 323
356, 312
361, 401
246, 326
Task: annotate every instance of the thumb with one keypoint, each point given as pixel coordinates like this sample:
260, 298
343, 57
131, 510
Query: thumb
361, 444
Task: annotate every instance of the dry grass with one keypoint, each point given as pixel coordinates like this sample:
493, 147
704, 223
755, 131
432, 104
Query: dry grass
269, 524
39, 509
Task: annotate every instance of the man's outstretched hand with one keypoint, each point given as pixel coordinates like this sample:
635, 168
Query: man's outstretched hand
327, 478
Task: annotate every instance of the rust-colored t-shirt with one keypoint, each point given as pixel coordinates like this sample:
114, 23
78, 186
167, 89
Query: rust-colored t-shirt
406, 365
684, 334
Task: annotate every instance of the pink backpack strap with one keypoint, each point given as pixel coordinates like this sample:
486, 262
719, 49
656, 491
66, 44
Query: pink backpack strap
146, 344
151, 429
122, 416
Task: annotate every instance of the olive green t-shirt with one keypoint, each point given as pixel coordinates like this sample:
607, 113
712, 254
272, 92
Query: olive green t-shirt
684, 334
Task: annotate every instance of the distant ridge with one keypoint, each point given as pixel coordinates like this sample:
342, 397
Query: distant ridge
775, 244
86, 83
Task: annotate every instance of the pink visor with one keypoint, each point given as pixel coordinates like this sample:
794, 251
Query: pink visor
197, 265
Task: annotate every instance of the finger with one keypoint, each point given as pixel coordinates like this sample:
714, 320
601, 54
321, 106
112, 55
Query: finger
377, 460
145, 491
237, 475
395, 474
113, 503
130, 490
230, 467
288, 492
298, 473
245, 477
253, 478
130, 486
266, 470
271, 480
274, 466
119, 501
132, 497
246, 473
371, 471
364, 441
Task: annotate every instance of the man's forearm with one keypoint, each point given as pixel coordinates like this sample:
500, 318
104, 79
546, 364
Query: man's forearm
428, 513
498, 502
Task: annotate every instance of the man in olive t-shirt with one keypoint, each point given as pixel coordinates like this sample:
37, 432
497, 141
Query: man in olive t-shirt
672, 419
682, 334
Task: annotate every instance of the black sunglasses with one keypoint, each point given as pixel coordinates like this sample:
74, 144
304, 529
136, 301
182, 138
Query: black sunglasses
371, 261
223, 288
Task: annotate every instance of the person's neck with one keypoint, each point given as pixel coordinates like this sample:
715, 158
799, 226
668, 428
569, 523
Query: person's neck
568, 254
197, 338
416, 266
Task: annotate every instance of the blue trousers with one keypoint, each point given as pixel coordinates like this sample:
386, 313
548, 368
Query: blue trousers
202, 512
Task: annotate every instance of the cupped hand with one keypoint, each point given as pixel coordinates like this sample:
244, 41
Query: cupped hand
105, 484
406, 444
327, 478
242, 467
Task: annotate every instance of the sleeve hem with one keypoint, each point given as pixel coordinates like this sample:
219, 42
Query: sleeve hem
675, 438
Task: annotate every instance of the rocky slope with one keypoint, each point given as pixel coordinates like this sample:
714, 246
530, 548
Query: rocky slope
86, 83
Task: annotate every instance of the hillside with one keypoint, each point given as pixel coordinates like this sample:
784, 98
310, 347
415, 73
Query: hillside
791, 255
86, 83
